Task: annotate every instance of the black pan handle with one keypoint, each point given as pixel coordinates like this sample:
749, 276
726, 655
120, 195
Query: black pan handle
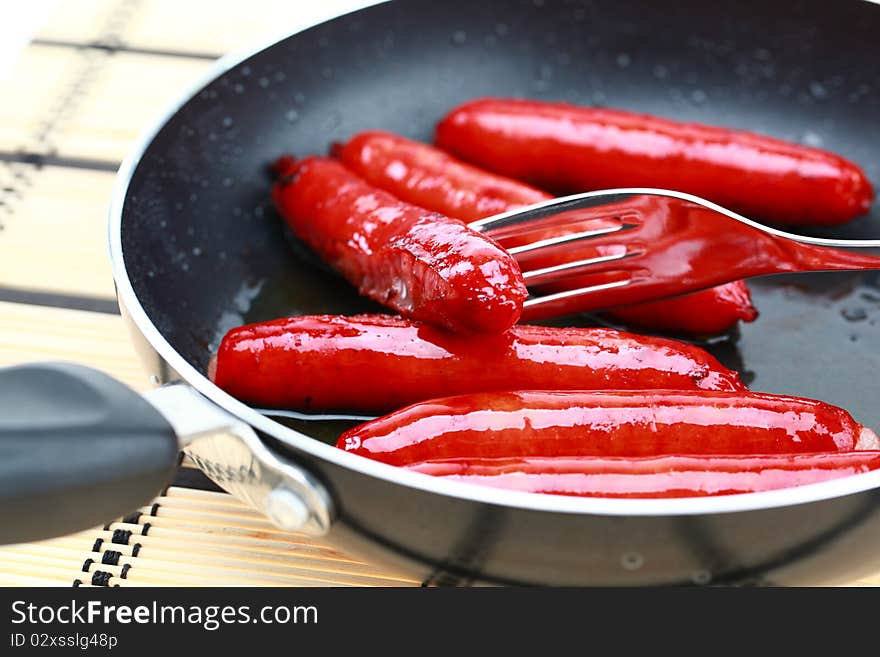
77, 449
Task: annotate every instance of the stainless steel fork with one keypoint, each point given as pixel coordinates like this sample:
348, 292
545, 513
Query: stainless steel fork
613, 247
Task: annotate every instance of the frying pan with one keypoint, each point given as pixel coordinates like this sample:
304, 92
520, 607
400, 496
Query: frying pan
197, 249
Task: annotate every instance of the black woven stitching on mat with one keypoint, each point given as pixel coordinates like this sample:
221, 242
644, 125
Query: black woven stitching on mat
132, 518
119, 46
12, 188
87, 564
77, 583
111, 557
135, 549
96, 547
124, 573
40, 160
121, 536
154, 509
146, 529
101, 578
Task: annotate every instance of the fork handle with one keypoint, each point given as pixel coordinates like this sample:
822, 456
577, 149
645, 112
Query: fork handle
810, 257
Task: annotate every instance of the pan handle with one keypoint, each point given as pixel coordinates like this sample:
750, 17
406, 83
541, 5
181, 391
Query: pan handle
79, 449
230, 452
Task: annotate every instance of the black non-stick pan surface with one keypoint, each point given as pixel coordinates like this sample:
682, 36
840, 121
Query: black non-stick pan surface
205, 250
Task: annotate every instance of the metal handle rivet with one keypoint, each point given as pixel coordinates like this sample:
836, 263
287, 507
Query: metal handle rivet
286, 509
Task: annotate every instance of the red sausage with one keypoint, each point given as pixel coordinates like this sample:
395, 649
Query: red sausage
606, 423
707, 312
423, 265
430, 178
657, 476
378, 362
425, 176
569, 149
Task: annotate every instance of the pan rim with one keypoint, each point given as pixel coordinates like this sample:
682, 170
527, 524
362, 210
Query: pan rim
129, 302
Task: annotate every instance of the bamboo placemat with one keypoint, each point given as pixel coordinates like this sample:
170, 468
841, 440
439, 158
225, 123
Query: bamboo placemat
188, 537
98, 72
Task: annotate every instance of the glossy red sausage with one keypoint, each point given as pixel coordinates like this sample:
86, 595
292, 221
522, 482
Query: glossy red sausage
707, 312
652, 477
379, 362
430, 178
606, 423
570, 149
423, 265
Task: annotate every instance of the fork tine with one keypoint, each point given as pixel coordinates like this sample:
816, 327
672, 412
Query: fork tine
551, 207
534, 302
565, 239
572, 268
